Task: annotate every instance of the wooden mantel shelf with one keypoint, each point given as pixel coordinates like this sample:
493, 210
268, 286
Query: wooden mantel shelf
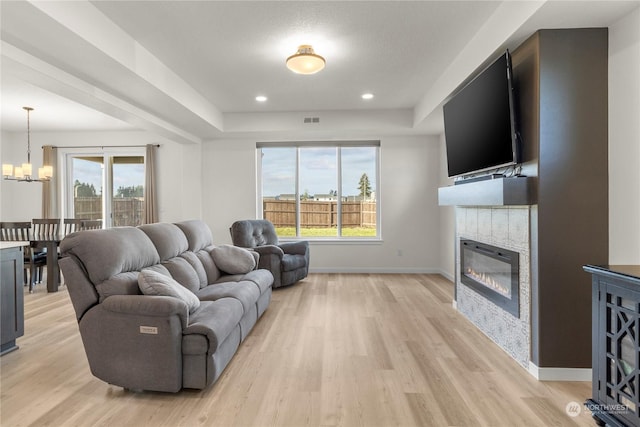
514, 191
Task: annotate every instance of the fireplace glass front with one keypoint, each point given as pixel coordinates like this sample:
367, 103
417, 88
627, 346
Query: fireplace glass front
491, 271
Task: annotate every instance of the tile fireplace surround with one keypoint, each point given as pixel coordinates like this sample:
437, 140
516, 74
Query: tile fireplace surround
507, 227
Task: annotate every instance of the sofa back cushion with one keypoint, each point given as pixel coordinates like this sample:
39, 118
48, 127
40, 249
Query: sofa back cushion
106, 253
183, 273
250, 233
112, 258
198, 234
210, 267
168, 239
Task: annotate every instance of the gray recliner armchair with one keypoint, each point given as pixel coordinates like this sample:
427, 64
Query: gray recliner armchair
287, 261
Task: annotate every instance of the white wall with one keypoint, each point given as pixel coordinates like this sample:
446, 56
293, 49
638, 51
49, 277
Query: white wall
178, 171
410, 168
20, 201
624, 140
447, 221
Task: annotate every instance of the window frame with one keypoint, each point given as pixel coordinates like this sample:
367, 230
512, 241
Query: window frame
298, 145
107, 153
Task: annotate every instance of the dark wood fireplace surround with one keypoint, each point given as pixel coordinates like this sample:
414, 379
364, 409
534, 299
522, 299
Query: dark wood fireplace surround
561, 82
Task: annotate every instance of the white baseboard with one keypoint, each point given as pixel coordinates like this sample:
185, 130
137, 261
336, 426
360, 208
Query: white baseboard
376, 270
447, 275
560, 374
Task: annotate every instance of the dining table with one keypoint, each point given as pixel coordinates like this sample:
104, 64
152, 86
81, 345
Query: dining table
50, 242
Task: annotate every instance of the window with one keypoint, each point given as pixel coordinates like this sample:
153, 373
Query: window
320, 190
107, 186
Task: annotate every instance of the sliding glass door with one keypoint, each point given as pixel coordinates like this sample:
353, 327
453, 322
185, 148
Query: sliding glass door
106, 186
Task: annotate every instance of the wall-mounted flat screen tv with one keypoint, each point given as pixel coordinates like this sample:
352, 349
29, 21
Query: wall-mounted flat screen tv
480, 122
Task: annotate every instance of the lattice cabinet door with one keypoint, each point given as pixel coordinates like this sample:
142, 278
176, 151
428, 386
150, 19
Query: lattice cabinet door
616, 352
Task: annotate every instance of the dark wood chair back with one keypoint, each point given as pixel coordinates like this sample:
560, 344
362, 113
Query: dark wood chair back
16, 231
46, 226
91, 224
70, 225
33, 261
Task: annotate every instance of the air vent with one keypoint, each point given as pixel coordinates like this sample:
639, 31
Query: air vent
312, 119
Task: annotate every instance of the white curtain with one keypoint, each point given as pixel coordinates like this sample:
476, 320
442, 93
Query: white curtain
150, 194
50, 196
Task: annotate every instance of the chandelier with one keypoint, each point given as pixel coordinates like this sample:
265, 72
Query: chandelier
23, 173
305, 61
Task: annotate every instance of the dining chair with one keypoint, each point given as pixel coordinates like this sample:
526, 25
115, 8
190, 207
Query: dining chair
70, 225
46, 226
33, 261
91, 224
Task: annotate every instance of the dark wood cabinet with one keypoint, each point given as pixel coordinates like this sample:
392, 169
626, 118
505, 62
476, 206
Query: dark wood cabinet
12, 296
615, 345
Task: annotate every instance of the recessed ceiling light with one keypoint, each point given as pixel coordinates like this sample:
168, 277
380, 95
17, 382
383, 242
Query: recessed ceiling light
367, 96
261, 98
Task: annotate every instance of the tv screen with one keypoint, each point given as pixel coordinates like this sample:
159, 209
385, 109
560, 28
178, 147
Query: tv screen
479, 122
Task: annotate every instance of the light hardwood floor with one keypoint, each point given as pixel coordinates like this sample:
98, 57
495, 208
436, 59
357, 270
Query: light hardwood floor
333, 350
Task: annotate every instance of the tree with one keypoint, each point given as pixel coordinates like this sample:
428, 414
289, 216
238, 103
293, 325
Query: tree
132, 191
364, 186
82, 189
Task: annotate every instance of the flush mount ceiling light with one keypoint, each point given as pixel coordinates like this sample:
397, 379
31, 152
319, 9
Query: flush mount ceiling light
305, 61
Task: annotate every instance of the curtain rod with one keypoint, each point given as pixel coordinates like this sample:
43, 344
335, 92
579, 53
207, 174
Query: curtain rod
102, 146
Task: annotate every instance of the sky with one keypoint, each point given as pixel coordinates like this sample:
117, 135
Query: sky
318, 170
124, 175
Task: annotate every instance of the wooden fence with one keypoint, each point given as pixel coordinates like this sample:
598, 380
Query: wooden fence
124, 210
320, 214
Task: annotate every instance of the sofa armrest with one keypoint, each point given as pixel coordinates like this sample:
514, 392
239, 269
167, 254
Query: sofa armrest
267, 250
148, 305
256, 256
135, 341
295, 248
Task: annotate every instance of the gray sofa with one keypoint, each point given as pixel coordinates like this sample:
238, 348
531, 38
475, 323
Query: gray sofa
155, 342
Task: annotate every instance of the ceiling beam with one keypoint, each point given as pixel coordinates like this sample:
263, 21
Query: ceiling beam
491, 37
55, 80
88, 23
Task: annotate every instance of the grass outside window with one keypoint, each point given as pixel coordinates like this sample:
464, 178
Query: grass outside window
326, 232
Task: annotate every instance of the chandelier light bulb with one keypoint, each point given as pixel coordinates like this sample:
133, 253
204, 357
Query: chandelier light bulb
27, 169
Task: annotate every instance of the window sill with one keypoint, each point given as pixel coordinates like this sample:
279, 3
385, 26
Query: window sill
341, 241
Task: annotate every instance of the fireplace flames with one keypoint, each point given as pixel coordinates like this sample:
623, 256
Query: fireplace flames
488, 281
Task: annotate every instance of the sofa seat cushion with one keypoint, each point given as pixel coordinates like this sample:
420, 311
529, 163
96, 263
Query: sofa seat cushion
232, 259
246, 292
153, 283
261, 277
214, 320
293, 262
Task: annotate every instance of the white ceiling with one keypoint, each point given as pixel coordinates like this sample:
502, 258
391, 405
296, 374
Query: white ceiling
190, 70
